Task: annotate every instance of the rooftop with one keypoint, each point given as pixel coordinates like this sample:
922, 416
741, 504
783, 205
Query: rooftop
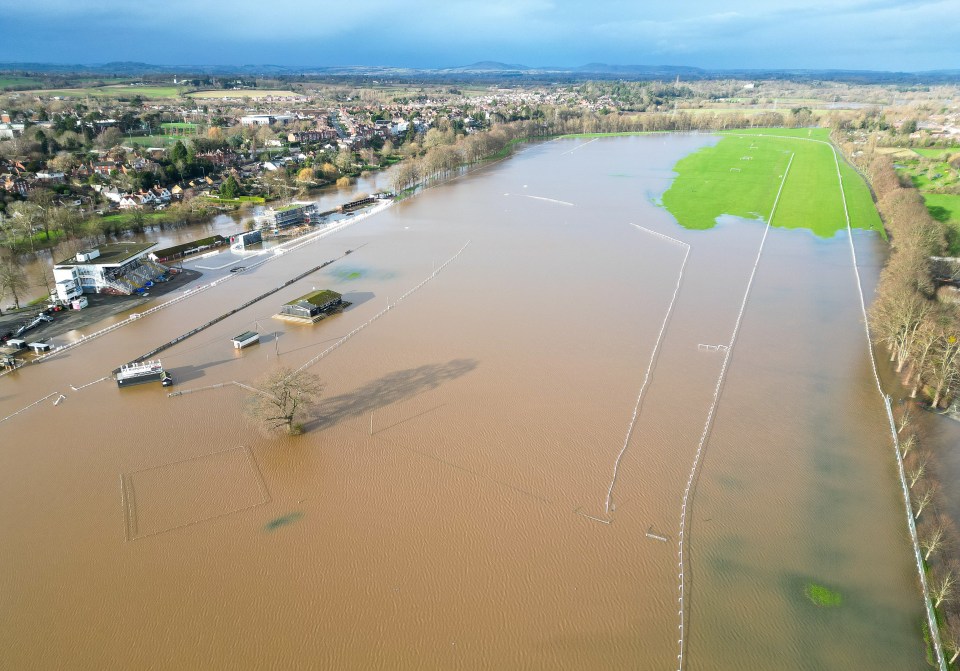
292, 206
317, 298
112, 254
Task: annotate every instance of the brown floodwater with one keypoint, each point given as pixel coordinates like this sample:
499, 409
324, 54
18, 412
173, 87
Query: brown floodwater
446, 509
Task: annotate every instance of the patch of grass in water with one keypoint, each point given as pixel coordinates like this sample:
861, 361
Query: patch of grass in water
348, 273
822, 596
282, 521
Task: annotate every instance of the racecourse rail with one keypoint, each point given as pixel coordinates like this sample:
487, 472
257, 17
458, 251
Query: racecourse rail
278, 250
712, 413
653, 359
932, 625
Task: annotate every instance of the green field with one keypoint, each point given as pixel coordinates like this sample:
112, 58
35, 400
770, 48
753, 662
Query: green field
945, 208
742, 173
934, 152
18, 81
127, 92
154, 140
932, 179
241, 93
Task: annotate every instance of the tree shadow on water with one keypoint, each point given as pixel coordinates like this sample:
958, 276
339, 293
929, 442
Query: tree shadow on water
392, 388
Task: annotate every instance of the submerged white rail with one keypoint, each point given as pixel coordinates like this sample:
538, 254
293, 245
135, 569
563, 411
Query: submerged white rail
911, 520
382, 312
708, 424
653, 359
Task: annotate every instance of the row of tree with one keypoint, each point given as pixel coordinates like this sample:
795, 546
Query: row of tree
937, 535
921, 333
443, 154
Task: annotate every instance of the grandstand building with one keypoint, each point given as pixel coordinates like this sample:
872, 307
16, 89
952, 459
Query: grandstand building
119, 268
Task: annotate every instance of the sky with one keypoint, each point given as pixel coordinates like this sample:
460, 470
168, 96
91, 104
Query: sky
901, 35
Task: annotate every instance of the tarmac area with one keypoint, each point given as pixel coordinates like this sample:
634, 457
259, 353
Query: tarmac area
100, 307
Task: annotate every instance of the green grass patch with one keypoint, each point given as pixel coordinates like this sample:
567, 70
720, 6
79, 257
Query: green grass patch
860, 205
809, 133
18, 82
928, 176
152, 140
180, 126
127, 218
945, 208
243, 93
933, 152
742, 174
283, 521
257, 200
114, 92
822, 596
348, 273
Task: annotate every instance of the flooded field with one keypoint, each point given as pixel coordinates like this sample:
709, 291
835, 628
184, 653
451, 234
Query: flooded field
454, 503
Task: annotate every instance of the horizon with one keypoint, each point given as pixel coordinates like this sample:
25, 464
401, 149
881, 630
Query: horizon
866, 35
475, 66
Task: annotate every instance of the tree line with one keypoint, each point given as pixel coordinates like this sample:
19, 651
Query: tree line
921, 333
442, 156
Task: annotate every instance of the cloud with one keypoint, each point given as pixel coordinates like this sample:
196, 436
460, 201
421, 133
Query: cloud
868, 34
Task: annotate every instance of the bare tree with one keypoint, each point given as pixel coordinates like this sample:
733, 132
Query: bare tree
45, 279
12, 280
915, 474
943, 370
923, 501
907, 445
286, 400
897, 314
923, 344
951, 638
905, 420
933, 539
942, 590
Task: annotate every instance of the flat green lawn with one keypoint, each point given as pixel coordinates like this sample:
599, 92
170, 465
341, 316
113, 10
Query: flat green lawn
860, 205
810, 133
945, 207
155, 140
128, 92
935, 153
742, 173
18, 81
127, 217
939, 176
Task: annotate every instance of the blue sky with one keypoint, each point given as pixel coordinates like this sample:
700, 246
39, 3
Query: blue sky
849, 34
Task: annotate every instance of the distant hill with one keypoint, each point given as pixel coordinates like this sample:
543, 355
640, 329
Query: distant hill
487, 71
487, 66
